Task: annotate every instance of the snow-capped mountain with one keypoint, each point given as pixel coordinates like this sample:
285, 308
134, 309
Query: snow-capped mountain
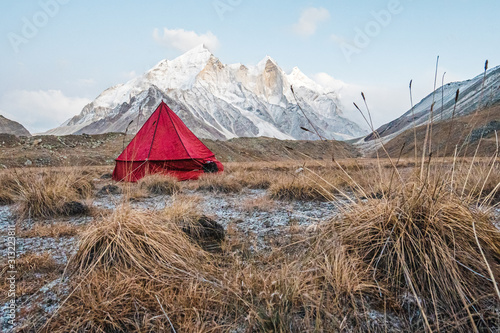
218, 101
472, 96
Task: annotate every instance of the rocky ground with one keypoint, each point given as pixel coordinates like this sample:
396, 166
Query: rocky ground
102, 149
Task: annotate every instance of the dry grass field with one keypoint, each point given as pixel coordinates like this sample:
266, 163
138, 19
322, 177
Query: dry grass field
355, 245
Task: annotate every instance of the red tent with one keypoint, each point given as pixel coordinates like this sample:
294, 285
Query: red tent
165, 145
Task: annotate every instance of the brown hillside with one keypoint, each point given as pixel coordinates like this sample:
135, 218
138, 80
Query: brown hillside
8, 126
102, 149
463, 133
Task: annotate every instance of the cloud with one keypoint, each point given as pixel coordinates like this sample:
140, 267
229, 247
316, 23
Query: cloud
130, 75
40, 110
183, 40
339, 40
328, 82
309, 20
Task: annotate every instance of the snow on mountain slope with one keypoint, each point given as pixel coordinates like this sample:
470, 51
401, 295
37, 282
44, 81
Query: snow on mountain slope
218, 101
472, 97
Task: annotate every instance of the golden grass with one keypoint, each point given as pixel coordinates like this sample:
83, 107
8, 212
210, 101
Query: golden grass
143, 263
183, 210
137, 271
158, 184
417, 249
33, 271
262, 203
54, 230
480, 183
421, 240
301, 187
221, 183
7, 189
129, 238
49, 193
185, 213
254, 179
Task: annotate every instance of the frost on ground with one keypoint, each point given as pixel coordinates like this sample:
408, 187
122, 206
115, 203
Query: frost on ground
266, 223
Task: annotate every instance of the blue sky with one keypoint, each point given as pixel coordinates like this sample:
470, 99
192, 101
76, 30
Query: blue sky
79, 48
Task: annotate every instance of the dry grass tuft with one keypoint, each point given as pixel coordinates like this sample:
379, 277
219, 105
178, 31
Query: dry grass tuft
301, 188
36, 262
184, 212
7, 190
129, 238
424, 255
51, 193
480, 183
131, 270
219, 183
255, 179
422, 241
315, 287
159, 184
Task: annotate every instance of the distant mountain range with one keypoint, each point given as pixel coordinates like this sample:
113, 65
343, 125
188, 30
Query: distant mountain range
478, 93
218, 101
221, 102
12, 127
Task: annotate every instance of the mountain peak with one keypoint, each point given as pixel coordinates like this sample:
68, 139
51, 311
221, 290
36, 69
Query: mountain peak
263, 63
296, 71
298, 79
200, 51
218, 101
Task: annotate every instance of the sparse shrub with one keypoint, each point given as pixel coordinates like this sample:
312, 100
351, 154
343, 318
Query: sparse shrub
159, 184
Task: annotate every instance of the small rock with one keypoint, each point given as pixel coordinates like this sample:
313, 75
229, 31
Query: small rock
75, 208
28, 163
206, 232
107, 175
109, 189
